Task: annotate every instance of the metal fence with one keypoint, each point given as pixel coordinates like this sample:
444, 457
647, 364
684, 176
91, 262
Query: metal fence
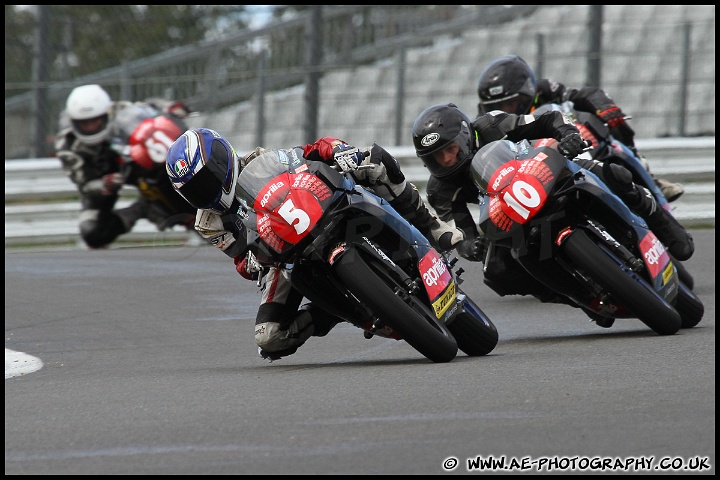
42, 206
365, 71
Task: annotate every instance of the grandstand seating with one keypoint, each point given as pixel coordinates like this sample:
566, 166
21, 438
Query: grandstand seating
359, 104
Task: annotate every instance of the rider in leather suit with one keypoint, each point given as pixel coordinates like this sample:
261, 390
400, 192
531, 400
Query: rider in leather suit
281, 325
446, 140
94, 133
509, 78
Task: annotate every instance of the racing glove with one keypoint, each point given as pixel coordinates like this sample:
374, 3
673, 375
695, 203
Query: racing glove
472, 249
611, 114
247, 266
615, 119
322, 150
106, 185
348, 157
112, 183
571, 145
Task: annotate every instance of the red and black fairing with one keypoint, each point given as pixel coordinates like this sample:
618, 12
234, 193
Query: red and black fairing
309, 215
536, 198
294, 201
145, 153
605, 147
289, 206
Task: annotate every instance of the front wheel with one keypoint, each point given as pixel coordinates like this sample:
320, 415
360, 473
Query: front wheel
624, 287
689, 306
426, 335
474, 332
683, 274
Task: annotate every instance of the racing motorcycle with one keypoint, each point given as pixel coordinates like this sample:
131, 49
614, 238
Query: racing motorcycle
577, 239
347, 251
606, 148
142, 135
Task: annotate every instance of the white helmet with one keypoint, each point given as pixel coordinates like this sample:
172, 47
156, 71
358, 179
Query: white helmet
86, 102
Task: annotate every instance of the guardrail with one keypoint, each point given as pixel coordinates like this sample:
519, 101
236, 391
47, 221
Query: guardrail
42, 205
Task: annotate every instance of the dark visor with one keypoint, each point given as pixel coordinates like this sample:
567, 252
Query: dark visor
203, 190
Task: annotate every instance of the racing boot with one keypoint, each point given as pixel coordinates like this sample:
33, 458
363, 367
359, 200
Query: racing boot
411, 207
666, 227
276, 340
671, 191
132, 213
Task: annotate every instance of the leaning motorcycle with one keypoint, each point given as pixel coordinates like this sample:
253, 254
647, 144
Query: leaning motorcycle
606, 148
143, 136
571, 234
347, 251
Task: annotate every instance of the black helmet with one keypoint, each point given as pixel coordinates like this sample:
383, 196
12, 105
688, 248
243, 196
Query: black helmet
436, 128
507, 84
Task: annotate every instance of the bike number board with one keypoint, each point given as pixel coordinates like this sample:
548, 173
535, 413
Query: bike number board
517, 191
288, 208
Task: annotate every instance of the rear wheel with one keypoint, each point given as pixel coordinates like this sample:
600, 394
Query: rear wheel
426, 335
625, 287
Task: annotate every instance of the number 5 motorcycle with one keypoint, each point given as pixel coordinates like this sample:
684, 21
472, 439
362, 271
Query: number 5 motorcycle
353, 255
571, 234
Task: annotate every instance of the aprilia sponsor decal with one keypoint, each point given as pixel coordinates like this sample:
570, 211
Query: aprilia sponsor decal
438, 282
655, 256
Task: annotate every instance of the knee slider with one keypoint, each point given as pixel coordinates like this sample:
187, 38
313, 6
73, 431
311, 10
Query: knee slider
99, 231
273, 337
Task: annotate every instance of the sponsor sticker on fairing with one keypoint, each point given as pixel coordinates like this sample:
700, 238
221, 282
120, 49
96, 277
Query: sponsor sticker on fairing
438, 282
655, 256
335, 252
445, 301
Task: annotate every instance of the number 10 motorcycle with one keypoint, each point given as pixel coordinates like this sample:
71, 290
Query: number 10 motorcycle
571, 234
606, 148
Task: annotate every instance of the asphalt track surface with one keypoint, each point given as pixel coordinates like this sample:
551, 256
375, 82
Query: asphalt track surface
149, 367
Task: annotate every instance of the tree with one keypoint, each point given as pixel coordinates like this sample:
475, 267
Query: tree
19, 25
88, 38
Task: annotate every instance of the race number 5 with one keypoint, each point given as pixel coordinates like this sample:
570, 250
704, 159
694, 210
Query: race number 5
296, 217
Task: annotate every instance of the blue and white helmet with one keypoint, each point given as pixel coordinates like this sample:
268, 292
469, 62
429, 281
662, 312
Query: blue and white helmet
203, 168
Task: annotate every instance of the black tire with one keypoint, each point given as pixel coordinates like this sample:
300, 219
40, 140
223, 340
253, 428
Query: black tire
631, 291
689, 306
683, 273
474, 333
431, 339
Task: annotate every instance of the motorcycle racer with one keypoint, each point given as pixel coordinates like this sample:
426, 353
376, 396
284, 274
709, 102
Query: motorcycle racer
446, 140
204, 167
95, 133
509, 84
